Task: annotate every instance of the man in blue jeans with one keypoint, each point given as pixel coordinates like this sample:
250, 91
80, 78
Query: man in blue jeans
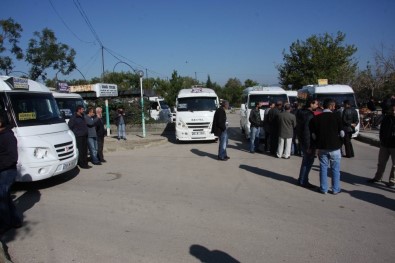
8, 171
219, 128
326, 129
255, 127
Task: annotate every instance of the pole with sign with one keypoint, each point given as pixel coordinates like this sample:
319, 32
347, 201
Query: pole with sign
107, 118
141, 74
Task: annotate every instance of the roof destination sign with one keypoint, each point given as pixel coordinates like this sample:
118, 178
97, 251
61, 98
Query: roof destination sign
101, 89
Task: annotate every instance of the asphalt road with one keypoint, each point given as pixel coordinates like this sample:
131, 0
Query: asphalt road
177, 203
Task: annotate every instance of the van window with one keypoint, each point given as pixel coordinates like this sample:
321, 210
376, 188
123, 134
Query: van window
266, 99
197, 104
339, 98
34, 109
68, 105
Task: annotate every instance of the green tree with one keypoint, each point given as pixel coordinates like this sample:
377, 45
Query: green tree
232, 91
44, 52
250, 83
319, 57
11, 33
209, 84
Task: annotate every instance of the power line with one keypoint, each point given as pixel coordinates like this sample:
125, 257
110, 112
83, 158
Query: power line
68, 28
86, 19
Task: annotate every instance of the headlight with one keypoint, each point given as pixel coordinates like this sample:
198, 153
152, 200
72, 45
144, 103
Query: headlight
182, 124
40, 153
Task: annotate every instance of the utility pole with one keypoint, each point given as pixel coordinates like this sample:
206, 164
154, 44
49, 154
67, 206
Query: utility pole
102, 60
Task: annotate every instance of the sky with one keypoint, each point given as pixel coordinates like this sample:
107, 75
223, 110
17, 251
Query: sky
223, 39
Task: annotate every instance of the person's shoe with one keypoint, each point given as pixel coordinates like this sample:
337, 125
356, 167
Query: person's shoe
321, 192
103, 161
85, 166
287, 157
224, 159
118, 138
98, 163
227, 157
391, 185
335, 193
373, 181
252, 152
124, 138
259, 151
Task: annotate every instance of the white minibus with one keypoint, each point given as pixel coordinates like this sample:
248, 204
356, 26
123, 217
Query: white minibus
46, 145
252, 96
339, 93
67, 103
195, 113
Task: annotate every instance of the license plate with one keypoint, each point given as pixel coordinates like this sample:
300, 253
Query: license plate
198, 133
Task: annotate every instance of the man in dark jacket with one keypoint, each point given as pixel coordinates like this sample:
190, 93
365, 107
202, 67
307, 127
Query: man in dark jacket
273, 124
387, 147
350, 121
8, 172
303, 118
326, 129
100, 132
78, 126
255, 127
219, 129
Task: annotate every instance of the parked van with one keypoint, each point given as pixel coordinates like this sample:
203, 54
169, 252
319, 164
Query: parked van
195, 113
292, 96
159, 110
67, 103
337, 92
252, 96
46, 145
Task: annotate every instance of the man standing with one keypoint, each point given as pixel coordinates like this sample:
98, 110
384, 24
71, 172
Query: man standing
8, 171
78, 126
387, 147
350, 121
100, 132
273, 123
219, 129
326, 129
92, 136
286, 124
120, 121
255, 127
303, 118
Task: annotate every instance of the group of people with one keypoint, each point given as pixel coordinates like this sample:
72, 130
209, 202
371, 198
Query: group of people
89, 133
319, 133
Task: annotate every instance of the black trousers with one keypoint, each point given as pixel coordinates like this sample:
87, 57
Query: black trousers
100, 145
82, 146
348, 145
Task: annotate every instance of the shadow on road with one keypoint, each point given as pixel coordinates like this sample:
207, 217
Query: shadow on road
269, 174
203, 154
211, 256
47, 183
373, 198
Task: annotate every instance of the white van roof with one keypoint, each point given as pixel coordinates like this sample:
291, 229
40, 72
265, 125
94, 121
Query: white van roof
196, 92
16, 83
327, 89
292, 93
264, 90
66, 95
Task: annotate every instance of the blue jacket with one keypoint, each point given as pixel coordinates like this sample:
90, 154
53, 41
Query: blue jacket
78, 125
